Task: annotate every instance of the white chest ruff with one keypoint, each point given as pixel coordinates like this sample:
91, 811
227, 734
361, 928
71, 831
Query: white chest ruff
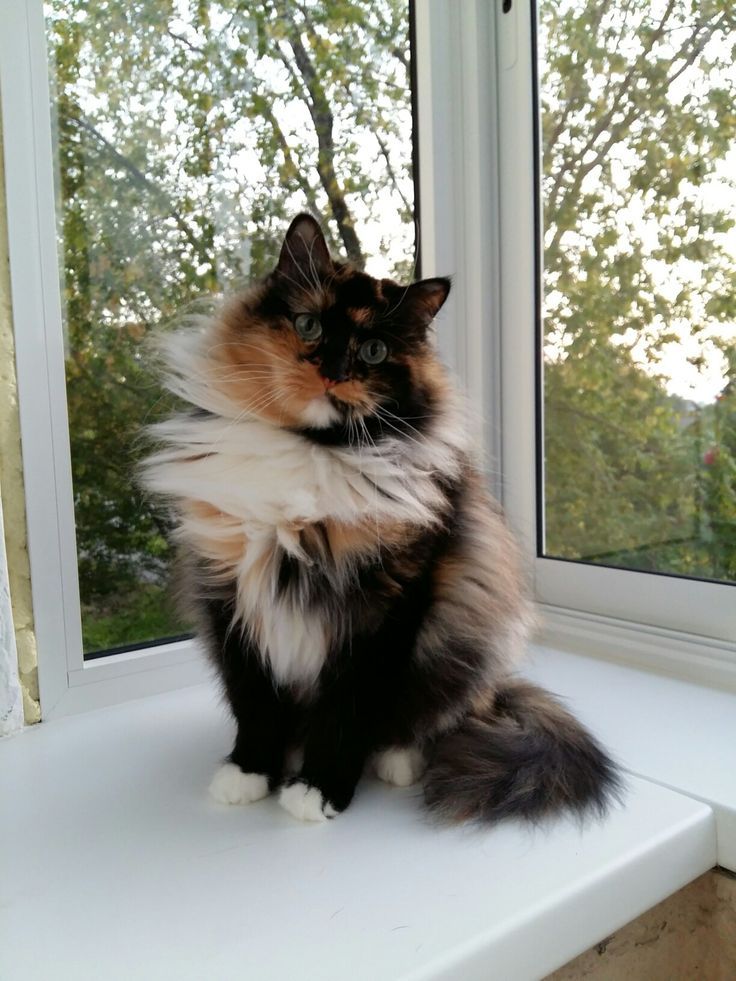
294, 641
291, 635
267, 483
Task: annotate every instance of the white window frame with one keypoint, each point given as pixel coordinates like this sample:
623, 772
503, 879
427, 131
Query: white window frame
474, 98
678, 624
66, 682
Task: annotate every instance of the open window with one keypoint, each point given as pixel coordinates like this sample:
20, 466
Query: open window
155, 155
618, 211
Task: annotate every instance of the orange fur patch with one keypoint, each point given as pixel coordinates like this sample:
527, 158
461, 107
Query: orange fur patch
427, 373
219, 537
259, 367
353, 392
351, 540
362, 316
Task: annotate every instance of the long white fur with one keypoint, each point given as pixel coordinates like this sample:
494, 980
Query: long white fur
271, 481
320, 413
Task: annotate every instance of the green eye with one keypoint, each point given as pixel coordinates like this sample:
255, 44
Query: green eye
373, 352
308, 327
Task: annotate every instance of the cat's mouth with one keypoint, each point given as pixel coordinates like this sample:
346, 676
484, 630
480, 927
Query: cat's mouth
316, 403
323, 411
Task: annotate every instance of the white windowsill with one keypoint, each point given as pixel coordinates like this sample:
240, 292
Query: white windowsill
116, 863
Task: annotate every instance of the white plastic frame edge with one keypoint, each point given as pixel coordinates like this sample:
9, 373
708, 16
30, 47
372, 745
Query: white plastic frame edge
458, 188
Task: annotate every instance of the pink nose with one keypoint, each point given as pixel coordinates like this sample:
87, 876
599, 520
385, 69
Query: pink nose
330, 382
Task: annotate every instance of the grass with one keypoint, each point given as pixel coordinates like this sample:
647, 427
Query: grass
146, 614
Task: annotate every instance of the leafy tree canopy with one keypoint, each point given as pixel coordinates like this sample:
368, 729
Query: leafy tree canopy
190, 131
638, 127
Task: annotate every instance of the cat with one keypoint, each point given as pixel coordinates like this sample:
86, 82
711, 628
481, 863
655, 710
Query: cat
354, 583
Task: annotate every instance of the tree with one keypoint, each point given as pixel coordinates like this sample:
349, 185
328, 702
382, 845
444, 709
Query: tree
719, 476
189, 134
162, 109
638, 118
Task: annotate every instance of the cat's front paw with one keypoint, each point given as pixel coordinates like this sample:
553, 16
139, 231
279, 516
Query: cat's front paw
306, 803
231, 786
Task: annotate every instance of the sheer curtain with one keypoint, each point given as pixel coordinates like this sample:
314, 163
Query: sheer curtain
11, 702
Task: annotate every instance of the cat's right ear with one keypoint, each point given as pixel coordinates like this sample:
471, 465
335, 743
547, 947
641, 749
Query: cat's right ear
420, 302
304, 256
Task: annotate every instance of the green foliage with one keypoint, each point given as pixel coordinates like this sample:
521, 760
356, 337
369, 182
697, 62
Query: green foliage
188, 135
637, 117
718, 486
142, 613
163, 107
619, 479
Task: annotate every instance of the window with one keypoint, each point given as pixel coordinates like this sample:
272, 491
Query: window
152, 137
185, 137
629, 249
638, 151
154, 156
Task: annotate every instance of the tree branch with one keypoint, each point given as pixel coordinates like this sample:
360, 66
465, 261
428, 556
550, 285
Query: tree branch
391, 172
290, 161
401, 56
139, 178
182, 40
605, 121
576, 92
698, 44
322, 118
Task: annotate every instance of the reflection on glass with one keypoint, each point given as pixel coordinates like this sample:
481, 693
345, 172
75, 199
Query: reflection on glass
187, 136
638, 163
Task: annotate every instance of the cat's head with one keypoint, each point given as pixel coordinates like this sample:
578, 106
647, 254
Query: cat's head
324, 348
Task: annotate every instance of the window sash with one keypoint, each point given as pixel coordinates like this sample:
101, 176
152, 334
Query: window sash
39, 345
691, 608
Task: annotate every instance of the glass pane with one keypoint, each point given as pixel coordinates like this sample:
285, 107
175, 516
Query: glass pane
638, 161
188, 134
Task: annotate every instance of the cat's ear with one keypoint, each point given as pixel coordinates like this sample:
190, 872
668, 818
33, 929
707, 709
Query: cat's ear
304, 255
421, 302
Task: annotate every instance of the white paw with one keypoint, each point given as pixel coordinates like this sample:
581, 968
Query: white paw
305, 802
231, 786
400, 767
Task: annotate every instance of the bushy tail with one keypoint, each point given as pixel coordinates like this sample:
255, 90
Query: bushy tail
523, 756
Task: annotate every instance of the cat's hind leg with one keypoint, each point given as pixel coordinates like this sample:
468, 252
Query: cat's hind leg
400, 766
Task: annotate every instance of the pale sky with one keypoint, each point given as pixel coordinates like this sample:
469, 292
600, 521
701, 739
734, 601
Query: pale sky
681, 376
379, 221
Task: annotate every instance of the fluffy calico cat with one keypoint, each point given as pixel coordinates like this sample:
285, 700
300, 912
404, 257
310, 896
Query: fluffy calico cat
357, 589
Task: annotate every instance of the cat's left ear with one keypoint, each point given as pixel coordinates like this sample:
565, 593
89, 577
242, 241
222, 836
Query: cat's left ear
304, 255
422, 301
